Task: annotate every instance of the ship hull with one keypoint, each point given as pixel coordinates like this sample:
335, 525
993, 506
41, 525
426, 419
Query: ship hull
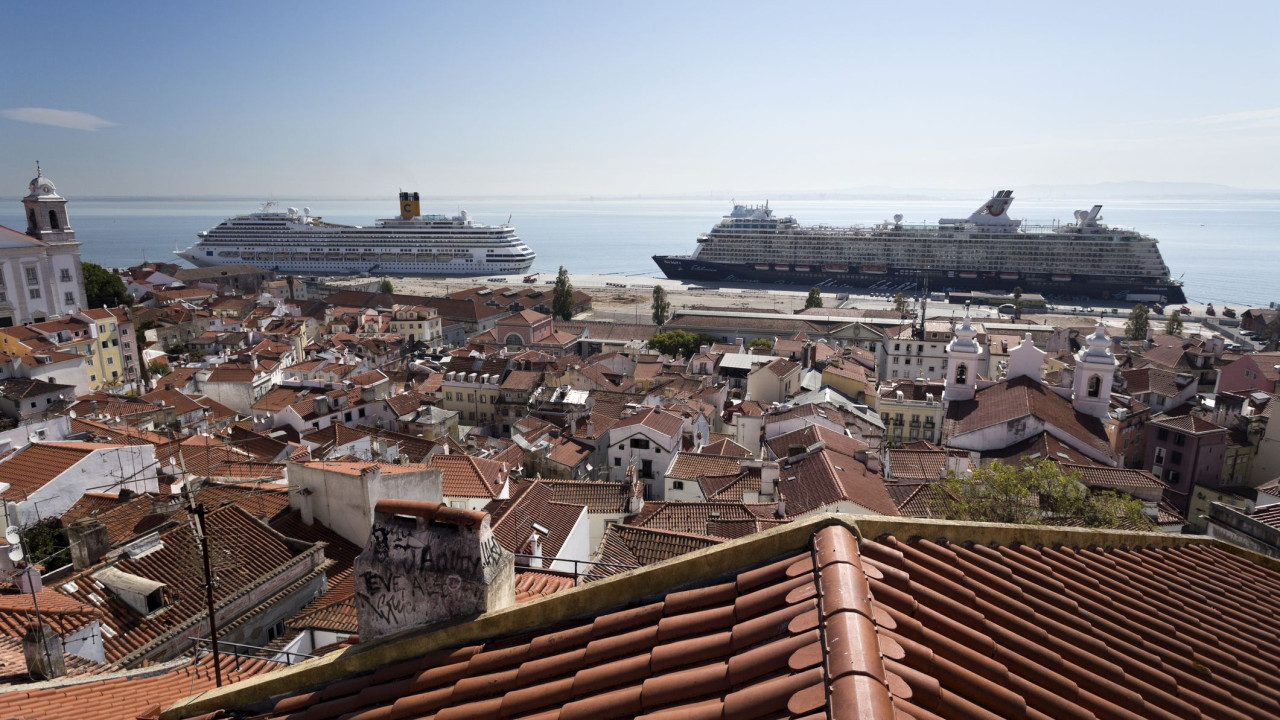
685, 268
351, 267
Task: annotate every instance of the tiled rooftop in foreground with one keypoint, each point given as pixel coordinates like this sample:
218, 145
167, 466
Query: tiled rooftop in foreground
839, 617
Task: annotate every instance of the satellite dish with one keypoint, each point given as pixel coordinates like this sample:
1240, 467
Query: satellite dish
72, 414
13, 535
15, 553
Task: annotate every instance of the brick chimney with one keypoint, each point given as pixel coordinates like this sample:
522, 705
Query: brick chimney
427, 563
42, 649
89, 542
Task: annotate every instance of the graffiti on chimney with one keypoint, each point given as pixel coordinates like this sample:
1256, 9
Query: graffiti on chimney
407, 577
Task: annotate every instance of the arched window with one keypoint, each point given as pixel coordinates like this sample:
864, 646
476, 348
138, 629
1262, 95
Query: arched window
53, 220
962, 374
31, 218
1095, 386
514, 340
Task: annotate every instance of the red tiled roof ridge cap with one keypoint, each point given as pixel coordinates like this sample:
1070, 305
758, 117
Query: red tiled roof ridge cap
434, 511
855, 673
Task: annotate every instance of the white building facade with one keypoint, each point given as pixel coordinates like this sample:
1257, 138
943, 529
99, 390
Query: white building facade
40, 274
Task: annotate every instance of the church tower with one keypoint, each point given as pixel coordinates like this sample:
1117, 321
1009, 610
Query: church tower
47, 212
963, 357
1094, 374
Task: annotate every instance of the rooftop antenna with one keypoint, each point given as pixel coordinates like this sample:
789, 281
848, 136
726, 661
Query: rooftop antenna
37, 168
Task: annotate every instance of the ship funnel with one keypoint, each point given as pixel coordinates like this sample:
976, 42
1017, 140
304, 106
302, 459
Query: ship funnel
409, 207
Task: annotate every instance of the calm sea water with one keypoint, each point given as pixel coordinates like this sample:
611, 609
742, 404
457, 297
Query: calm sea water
1222, 249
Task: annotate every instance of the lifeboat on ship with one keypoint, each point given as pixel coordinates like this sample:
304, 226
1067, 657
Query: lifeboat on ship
835, 268
968, 275
761, 266
1008, 276
1058, 277
803, 268
875, 269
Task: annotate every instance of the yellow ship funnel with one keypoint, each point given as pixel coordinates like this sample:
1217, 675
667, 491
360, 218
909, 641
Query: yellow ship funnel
409, 207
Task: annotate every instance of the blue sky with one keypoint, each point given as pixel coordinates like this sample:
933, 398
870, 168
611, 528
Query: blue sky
569, 99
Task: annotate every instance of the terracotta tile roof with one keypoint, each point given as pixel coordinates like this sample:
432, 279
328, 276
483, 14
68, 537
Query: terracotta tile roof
245, 553
1189, 424
598, 497
138, 516
512, 520
1268, 515
533, 584
663, 422
201, 454
627, 546
1152, 380
1023, 397
407, 402
91, 503
31, 467
1127, 479
19, 388
690, 466
693, 518
13, 666
826, 478
845, 627
467, 476
135, 694
258, 445
782, 367
181, 404
810, 435
921, 500
263, 502
725, 446
65, 615
1038, 446
568, 452
917, 464
333, 435
731, 487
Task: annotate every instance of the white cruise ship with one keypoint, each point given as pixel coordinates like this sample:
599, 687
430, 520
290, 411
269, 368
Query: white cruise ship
412, 244
986, 251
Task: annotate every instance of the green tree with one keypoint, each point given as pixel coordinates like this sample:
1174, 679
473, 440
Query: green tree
562, 296
158, 368
1032, 493
1017, 303
680, 342
900, 304
1174, 325
47, 544
815, 298
1139, 322
386, 287
661, 307
765, 343
103, 288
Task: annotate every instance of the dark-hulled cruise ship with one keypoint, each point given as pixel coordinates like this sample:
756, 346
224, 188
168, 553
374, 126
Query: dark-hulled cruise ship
412, 244
987, 251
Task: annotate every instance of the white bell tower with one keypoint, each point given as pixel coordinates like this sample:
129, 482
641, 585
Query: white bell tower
47, 212
963, 357
1095, 372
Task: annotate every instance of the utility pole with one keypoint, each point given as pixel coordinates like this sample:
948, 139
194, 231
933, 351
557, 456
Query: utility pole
203, 538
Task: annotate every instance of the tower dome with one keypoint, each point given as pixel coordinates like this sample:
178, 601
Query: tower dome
41, 186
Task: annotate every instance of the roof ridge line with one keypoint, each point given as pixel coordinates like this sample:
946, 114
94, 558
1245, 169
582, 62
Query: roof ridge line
853, 664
